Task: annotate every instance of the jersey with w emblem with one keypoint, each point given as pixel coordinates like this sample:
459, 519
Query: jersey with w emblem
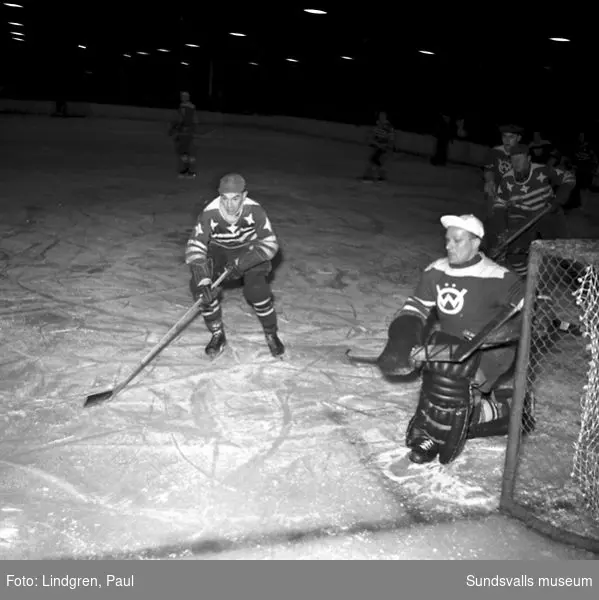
525, 197
252, 230
466, 297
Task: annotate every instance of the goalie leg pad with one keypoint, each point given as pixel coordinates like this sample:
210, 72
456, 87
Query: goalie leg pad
446, 405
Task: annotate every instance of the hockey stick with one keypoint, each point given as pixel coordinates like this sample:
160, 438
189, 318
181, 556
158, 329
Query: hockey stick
171, 334
497, 252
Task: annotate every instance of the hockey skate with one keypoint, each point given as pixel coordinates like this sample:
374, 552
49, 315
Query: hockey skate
275, 345
217, 342
424, 450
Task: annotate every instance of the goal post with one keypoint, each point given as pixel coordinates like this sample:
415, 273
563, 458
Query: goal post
551, 474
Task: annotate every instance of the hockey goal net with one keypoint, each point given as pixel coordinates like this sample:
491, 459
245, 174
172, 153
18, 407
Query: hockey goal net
551, 475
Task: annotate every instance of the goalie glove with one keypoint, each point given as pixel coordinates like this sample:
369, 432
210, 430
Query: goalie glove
405, 333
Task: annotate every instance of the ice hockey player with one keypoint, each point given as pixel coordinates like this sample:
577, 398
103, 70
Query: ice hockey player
233, 231
463, 292
543, 152
183, 129
382, 142
498, 162
525, 190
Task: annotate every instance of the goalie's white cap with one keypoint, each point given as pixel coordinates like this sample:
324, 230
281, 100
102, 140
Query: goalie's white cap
468, 222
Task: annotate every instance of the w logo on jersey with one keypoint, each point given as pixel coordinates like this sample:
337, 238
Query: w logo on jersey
450, 300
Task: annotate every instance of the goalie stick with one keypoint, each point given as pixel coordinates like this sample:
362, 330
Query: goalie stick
453, 352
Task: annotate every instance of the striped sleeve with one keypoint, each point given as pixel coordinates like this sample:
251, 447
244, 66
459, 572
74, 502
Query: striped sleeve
266, 244
197, 245
424, 298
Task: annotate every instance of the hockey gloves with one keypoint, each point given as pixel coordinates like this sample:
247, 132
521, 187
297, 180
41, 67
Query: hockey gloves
405, 333
201, 282
245, 262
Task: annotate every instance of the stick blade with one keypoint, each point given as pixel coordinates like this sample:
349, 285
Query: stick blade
98, 398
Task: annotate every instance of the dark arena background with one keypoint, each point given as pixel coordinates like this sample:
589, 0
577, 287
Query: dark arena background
247, 456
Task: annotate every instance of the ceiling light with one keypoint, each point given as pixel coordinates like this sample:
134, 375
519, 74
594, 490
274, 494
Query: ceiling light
17, 24
292, 60
127, 55
12, 5
315, 11
81, 46
142, 53
17, 33
426, 52
185, 63
163, 50
254, 63
238, 34
347, 58
192, 45
18, 39
559, 39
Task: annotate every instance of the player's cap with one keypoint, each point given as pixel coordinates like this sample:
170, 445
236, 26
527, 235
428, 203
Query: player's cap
519, 149
511, 128
468, 222
232, 183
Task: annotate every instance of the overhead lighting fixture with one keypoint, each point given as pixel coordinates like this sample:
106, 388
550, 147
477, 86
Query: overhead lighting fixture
81, 46
192, 45
426, 52
254, 63
16, 33
185, 63
347, 58
559, 39
163, 50
315, 11
292, 60
238, 34
12, 5
127, 55
142, 53
16, 39
16, 24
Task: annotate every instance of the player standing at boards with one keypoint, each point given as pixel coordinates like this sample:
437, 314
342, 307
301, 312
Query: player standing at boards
183, 130
382, 142
234, 232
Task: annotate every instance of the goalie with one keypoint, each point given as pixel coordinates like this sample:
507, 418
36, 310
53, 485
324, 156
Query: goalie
463, 400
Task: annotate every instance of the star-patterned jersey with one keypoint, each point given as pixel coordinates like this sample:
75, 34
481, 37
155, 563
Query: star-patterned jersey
498, 162
526, 197
466, 297
252, 230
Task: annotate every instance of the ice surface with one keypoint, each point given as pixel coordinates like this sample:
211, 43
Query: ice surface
248, 449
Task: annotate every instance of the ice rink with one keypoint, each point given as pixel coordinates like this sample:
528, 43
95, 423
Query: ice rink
247, 456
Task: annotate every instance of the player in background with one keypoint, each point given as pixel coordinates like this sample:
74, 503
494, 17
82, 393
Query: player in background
463, 291
234, 232
584, 163
525, 190
499, 163
543, 152
382, 142
183, 130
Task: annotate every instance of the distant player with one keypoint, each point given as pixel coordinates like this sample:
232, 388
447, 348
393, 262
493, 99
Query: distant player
183, 129
499, 162
464, 291
382, 142
234, 231
525, 190
543, 152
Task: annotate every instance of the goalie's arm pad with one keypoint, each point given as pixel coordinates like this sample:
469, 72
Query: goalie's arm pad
405, 332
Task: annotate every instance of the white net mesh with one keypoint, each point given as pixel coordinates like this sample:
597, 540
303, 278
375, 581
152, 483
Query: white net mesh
586, 459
